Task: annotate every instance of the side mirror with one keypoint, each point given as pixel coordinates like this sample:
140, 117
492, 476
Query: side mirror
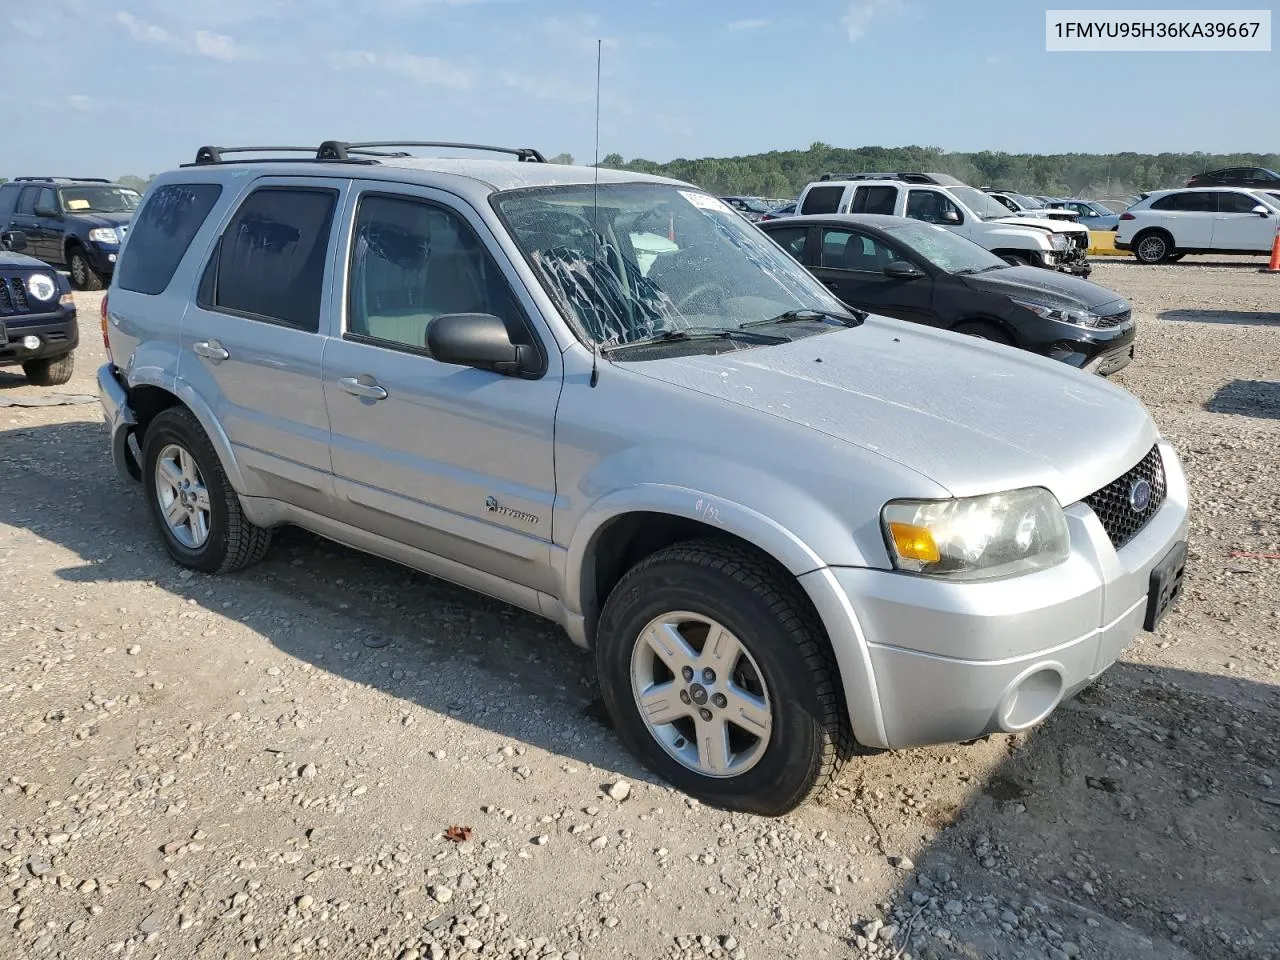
478, 340
950, 216
1262, 211
14, 240
44, 210
901, 270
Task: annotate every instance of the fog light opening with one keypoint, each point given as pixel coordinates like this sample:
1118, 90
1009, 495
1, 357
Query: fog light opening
1031, 698
31, 342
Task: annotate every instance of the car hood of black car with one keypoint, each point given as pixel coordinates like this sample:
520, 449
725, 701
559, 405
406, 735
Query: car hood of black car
1044, 286
20, 261
103, 219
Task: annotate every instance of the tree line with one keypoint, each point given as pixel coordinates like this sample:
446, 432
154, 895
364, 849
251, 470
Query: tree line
784, 173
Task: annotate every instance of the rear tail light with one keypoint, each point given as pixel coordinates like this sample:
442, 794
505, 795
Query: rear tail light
106, 339
1127, 216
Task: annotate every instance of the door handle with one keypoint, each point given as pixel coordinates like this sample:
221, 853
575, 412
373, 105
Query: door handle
358, 388
211, 350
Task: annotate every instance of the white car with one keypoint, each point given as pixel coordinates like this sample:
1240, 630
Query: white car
1165, 225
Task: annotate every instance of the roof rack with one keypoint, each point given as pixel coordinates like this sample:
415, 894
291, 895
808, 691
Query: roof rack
61, 180
941, 179
340, 150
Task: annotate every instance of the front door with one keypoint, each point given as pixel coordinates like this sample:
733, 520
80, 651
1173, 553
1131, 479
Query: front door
1237, 227
451, 460
851, 263
253, 342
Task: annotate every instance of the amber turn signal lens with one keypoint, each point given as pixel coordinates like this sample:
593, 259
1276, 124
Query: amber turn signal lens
914, 542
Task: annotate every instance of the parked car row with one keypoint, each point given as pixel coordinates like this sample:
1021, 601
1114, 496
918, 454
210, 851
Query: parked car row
784, 526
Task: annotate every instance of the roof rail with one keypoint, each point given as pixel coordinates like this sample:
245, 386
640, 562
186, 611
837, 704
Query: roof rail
211, 154
61, 179
941, 179
340, 150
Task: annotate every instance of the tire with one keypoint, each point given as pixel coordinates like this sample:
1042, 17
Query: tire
50, 371
983, 331
83, 276
1152, 247
230, 541
786, 666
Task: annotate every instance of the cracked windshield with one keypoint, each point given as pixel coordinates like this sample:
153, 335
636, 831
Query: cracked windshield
641, 262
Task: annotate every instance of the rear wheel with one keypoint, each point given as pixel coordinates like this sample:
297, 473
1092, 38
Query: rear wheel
50, 371
1153, 247
983, 330
83, 276
192, 503
719, 677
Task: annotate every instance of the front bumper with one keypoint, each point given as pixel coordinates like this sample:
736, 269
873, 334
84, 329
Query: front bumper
950, 662
120, 422
58, 332
102, 257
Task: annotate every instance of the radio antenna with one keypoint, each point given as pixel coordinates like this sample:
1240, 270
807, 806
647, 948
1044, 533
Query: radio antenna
595, 221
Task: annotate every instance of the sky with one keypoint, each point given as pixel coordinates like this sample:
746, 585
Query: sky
116, 87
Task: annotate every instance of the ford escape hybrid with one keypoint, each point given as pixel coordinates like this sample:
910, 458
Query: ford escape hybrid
783, 527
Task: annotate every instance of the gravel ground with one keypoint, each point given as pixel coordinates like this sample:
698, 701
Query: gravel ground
331, 756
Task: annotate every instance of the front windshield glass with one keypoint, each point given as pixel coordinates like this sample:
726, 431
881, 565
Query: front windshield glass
943, 248
99, 199
982, 204
649, 258
1030, 203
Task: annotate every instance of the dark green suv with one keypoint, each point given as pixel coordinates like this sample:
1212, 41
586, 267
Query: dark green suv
73, 223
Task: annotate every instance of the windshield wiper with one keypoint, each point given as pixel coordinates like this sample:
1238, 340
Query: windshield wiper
694, 333
809, 316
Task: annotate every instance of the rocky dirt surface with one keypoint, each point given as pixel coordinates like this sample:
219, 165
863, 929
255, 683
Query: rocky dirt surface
330, 756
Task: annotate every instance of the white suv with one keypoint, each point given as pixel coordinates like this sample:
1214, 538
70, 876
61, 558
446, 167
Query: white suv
1166, 225
943, 200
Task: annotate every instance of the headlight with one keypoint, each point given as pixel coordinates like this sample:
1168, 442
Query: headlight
104, 235
41, 286
1082, 318
977, 538
1059, 241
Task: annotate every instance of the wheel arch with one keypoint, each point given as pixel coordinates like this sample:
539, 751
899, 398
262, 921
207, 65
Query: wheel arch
990, 320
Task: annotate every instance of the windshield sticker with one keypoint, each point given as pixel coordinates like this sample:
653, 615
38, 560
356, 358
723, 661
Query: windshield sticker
704, 202
76, 204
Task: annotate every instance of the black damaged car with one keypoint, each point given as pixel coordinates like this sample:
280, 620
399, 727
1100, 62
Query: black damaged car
916, 271
38, 329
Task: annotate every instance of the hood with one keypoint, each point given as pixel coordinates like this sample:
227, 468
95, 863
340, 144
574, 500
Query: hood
972, 416
20, 261
1048, 286
1043, 223
103, 219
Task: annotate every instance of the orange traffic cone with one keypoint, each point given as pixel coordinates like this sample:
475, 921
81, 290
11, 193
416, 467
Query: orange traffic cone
1274, 265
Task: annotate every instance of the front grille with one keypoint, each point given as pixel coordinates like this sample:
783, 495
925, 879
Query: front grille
1115, 320
1113, 503
13, 296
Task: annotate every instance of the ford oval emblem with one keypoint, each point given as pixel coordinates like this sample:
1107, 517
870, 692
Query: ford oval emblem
1139, 496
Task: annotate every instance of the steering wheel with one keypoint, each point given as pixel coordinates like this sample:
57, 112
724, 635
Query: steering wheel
700, 291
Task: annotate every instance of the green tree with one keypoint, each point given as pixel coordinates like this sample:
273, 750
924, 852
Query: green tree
565, 158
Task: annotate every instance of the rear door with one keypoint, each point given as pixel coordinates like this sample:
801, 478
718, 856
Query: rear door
254, 340
24, 219
1188, 216
451, 460
1237, 227
851, 263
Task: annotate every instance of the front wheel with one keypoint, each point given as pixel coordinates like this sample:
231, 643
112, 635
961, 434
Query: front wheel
83, 276
50, 371
719, 677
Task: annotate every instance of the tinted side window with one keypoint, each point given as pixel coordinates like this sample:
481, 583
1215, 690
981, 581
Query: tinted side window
161, 234
790, 239
45, 200
8, 200
1187, 202
270, 262
874, 200
413, 261
822, 200
27, 201
1236, 203
847, 250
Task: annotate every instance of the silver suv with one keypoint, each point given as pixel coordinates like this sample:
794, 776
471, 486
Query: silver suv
783, 527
